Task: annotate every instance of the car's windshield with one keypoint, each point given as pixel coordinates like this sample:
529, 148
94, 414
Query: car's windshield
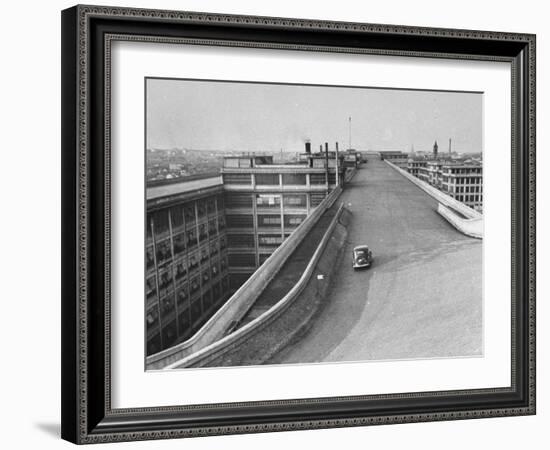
360, 253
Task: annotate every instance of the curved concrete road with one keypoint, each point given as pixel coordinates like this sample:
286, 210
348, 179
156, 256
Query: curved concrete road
422, 298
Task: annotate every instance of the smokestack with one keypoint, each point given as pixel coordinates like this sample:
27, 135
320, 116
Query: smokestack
449, 146
337, 168
326, 166
308, 147
321, 148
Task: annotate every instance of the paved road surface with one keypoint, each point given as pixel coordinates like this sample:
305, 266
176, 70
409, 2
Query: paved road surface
423, 295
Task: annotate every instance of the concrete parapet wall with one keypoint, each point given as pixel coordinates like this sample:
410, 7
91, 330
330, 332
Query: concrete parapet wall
290, 326
441, 197
240, 302
350, 174
228, 343
470, 227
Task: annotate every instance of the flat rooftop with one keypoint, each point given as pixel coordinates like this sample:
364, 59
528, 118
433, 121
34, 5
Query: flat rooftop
182, 187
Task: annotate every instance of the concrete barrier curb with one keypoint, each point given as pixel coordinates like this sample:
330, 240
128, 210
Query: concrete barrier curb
438, 195
240, 302
350, 174
470, 227
449, 208
228, 342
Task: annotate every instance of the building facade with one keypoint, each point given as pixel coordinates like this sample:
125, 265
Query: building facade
352, 158
460, 179
464, 182
416, 166
433, 172
187, 276
398, 158
266, 202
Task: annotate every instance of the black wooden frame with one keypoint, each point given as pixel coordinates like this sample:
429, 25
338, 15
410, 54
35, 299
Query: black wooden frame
87, 416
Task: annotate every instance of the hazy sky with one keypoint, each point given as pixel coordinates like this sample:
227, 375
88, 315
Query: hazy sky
270, 117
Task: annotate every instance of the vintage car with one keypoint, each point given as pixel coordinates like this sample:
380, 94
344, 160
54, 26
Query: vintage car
362, 257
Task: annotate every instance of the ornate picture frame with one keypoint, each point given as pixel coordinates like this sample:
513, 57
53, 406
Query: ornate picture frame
88, 33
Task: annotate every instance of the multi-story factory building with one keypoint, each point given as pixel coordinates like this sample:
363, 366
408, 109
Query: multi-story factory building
187, 277
205, 237
265, 202
464, 182
461, 179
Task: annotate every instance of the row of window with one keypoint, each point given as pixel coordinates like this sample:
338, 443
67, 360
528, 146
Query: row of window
264, 220
321, 163
473, 187
246, 240
183, 216
463, 171
178, 299
318, 178
467, 189
449, 180
247, 162
169, 249
178, 273
179, 317
469, 198
265, 201
273, 179
466, 180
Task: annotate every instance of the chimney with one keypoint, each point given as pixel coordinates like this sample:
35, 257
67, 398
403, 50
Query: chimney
321, 148
308, 147
326, 166
337, 168
449, 146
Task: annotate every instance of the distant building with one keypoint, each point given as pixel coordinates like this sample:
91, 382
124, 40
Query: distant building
393, 154
397, 157
352, 158
432, 173
187, 276
414, 166
462, 179
464, 182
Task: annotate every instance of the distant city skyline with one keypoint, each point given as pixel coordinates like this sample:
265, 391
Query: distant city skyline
259, 117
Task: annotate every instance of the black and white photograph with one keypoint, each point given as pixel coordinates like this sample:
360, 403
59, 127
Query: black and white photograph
301, 223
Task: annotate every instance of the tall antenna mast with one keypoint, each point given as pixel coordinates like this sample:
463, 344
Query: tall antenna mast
349, 133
